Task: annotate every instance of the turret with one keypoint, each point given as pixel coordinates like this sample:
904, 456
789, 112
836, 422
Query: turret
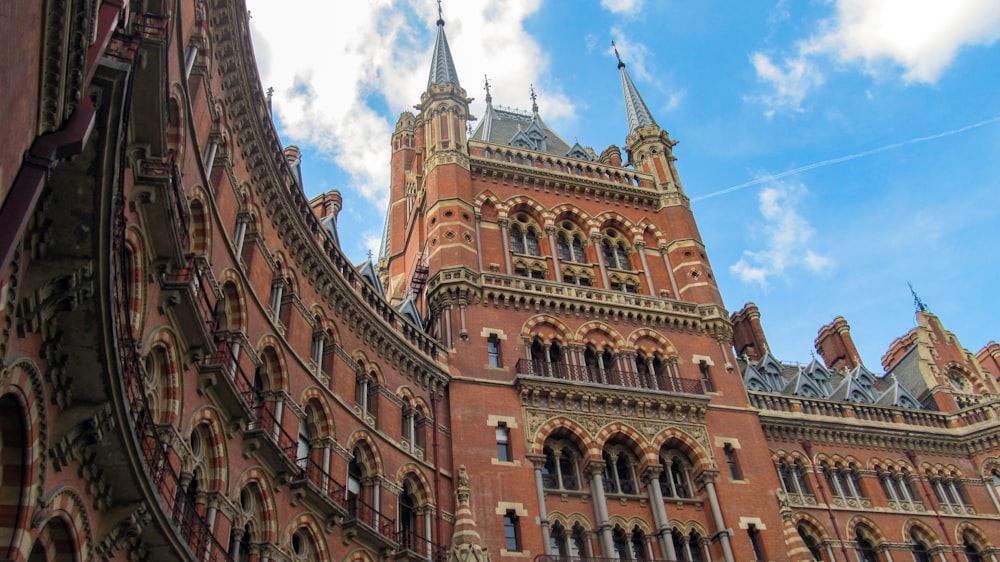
650, 149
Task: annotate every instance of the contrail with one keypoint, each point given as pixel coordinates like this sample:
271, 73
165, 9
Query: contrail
840, 159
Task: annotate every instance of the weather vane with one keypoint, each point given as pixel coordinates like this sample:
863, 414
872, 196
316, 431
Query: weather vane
534, 98
617, 56
917, 303
486, 83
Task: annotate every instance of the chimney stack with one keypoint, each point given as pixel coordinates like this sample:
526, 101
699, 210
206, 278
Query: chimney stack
835, 345
748, 335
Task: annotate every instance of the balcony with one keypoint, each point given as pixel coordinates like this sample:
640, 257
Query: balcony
271, 444
222, 377
610, 377
415, 548
186, 302
366, 524
316, 488
161, 208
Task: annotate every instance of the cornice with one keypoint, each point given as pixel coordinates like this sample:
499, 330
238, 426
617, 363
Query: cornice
510, 291
554, 179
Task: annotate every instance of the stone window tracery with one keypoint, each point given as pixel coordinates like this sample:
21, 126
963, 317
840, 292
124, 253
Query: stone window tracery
561, 470
620, 470
675, 478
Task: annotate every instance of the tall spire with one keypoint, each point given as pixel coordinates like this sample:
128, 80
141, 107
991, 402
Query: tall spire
442, 65
636, 112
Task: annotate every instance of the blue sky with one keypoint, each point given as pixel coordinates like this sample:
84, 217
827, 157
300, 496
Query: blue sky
833, 150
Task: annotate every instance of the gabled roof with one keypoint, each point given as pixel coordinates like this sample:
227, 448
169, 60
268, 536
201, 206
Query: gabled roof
368, 273
897, 395
408, 308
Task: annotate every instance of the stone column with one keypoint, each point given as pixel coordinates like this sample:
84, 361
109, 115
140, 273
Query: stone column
670, 272
596, 470
505, 237
551, 232
640, 247
652, 481
708, 477
599, 250
479, 242
538, 461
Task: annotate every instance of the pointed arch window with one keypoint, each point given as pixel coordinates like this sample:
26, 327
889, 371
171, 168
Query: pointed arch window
918, 547
675, 478
561, 470
620, 470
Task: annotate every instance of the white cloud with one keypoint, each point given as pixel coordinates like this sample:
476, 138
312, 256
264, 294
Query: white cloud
785, 236
922, 36
788, 87
336, 71
639, 62
622, 6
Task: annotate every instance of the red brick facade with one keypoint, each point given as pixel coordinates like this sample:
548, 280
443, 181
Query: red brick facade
192, 370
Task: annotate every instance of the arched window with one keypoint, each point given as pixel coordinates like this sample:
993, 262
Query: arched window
864, 548
620, 540
409, 531
697, 545
620, 470
675, 478
973, 550
546, 359
524, 234
791, 474
918, 547
809, 537
561, 470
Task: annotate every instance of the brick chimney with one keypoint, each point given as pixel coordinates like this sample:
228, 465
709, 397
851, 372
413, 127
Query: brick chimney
748, 335
835, 345
989, 358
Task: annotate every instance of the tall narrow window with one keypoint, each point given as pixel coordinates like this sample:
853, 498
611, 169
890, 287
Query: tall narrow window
493, 351
734, 465
756, 545
189, 59
302, 451
706, 378
503, 443
512, 531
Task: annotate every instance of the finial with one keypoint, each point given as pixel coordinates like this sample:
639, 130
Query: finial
534, 99
440, 21
369, 255
270, 95
617, 56
486, 83
917, 303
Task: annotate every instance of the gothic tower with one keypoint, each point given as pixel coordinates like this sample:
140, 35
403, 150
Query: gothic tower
587, 340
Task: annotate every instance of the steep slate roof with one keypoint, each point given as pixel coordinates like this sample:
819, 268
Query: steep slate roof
504, 127
442, 65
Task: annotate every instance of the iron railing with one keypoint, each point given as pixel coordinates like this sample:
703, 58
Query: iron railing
612, 377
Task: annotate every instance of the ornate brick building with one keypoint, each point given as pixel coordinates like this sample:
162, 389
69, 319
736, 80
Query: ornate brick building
539, 366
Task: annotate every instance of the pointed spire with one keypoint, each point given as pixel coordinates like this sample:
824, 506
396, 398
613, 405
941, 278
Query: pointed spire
442, 65
917, 303
636, 112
